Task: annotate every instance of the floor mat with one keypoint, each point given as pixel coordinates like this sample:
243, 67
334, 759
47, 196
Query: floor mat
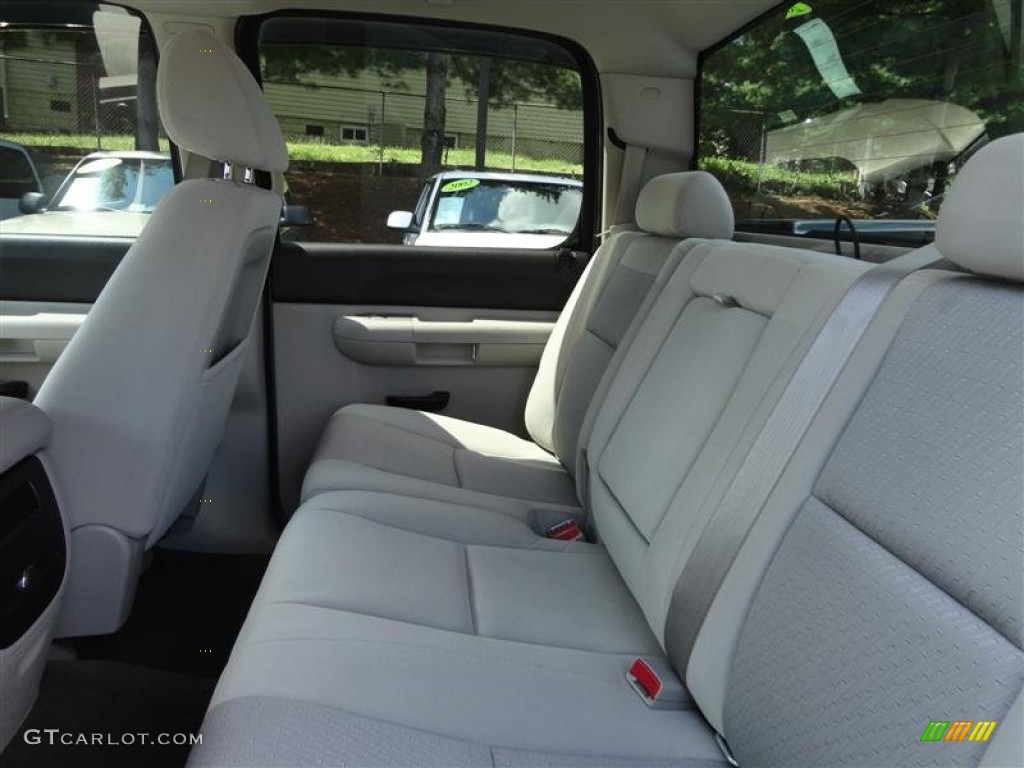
118, 701
153, 677
187, 613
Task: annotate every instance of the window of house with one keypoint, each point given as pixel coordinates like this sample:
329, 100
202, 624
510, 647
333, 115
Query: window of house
353, 133
864, 110
412, 102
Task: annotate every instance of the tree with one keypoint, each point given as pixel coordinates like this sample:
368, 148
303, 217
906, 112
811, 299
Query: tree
147, 117
435, 114
483, 108
946, 50
501, 82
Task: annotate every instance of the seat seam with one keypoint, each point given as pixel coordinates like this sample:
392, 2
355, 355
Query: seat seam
455, 467
506, 513
461, 653
443, 734
914, 569
470, 591
537, 540
355, 612
437, 537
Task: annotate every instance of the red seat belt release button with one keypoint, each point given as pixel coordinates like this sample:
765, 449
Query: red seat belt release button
657, 684
567, 530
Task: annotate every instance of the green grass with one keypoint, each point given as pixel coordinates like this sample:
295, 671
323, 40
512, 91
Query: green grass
83, 141
304, 151
354, 153
746, 176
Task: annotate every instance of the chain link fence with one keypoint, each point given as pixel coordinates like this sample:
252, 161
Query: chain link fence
61, 98
387, 127
63, 109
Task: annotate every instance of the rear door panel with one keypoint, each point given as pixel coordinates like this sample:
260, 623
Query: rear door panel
360, 324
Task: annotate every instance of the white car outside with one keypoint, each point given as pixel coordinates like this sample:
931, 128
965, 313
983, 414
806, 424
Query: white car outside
107, 194
471, 209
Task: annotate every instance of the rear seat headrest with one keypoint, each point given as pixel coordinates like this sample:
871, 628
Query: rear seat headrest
981, 225
682, 205
211, 105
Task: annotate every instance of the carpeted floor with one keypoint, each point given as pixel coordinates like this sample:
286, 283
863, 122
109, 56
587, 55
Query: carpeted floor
187, 613
110, 698
155, 676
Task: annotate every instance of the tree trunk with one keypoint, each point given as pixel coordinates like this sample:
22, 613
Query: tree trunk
147, 120
483, 98
434, 114
1016, 32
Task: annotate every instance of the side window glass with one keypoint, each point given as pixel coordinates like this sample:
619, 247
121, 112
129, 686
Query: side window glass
80, 129
399, 134
866, 111
17, 177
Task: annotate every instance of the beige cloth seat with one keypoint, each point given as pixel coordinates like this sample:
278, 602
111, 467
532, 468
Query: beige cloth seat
139, 398
381, 448
881, 586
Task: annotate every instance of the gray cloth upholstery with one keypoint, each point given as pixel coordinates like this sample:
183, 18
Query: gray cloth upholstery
982, 223
609, 301
25, 430
200, 78
140, 396
841, 633
879, 589
288, 733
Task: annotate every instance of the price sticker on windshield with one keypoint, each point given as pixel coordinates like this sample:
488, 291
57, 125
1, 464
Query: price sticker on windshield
460, 185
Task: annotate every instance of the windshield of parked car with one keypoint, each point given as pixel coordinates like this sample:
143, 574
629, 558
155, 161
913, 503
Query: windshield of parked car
116, 184
510, 206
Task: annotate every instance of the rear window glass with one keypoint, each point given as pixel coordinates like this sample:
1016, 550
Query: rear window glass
864, 110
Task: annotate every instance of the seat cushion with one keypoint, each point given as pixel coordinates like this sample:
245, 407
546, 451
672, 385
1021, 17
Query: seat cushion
449, 580
363, 677
377, 645
437, 450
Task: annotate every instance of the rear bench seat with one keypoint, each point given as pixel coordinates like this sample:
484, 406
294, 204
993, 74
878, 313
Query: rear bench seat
880, 587
430, 456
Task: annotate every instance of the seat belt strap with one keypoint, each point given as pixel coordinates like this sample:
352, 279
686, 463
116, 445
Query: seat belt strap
629, 184
785, 427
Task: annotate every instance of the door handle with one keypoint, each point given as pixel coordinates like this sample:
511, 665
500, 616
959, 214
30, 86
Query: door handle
435, 401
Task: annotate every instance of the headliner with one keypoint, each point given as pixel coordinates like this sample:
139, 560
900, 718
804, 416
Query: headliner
649, 37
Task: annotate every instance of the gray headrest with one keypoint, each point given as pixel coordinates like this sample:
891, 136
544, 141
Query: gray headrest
685, 205
211, 105
981, 223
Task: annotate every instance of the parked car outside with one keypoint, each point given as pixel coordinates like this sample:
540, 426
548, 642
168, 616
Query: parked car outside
492, 210
106, 193
18, 176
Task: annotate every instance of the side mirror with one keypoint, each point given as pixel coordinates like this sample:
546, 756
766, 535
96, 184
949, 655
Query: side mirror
295, 216
401, 220
32, 202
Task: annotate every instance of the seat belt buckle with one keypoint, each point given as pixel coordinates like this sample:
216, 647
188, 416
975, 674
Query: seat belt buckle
657, 684
567, 530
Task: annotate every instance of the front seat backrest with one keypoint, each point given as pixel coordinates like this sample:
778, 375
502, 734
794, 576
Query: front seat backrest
140, 396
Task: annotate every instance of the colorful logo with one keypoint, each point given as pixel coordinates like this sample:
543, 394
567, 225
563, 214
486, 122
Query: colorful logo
959, 730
